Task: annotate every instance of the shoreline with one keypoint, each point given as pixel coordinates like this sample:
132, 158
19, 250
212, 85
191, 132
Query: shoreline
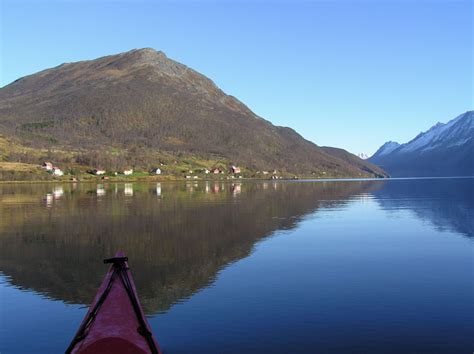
225, 180
153, 179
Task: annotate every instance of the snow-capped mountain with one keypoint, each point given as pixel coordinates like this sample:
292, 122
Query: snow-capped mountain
363, 156
456, 132
443, 150
386, 148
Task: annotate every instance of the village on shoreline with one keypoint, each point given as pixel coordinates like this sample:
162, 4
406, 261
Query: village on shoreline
49, 171
24, 163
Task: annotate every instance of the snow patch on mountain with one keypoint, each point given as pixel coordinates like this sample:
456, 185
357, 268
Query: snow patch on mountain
449, 134
443, 150
387, 148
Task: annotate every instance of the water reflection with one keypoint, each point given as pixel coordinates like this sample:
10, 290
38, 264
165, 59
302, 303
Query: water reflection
177, 246
179, 241
128, 189
236, 189
100, 190
447, 204
53, 196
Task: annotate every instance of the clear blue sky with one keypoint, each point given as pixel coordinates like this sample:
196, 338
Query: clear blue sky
351, 74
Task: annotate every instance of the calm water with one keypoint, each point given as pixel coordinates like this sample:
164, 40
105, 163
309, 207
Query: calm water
287, 267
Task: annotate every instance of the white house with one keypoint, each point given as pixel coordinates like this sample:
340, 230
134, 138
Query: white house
128, 172
156, 171
57, 171
234, 169
98, 172
48, 166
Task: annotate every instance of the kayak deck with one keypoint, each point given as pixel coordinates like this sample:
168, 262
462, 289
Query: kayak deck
115, 322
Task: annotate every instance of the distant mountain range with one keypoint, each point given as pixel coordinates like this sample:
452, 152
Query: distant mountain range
363, 156
142, 98
443, 150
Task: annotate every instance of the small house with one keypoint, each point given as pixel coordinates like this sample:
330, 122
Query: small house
155, 171
216, 171
128, 172
48, 166
57, 171
234, 169
98, 172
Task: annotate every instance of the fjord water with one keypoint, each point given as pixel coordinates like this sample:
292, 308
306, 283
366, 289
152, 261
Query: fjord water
254, 267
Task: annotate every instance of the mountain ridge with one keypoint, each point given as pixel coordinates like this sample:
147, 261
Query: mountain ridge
445, 149
386, 148
143, 99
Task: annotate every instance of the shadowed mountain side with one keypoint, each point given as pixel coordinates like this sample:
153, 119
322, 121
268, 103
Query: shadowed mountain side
450, 208
443, 150
143, 99
177, 242
448, 161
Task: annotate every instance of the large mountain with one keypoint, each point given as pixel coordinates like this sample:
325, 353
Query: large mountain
443, 150
142, 98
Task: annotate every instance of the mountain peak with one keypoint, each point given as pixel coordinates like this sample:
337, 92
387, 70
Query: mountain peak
145, 53
146, 57
143, 99
444, 149
386, 148
363, 156
147, 50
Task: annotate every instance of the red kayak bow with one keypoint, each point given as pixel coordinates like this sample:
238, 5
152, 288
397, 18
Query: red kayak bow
115, 322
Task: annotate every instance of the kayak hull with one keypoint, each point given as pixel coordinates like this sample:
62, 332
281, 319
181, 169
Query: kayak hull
115, 322
111, 345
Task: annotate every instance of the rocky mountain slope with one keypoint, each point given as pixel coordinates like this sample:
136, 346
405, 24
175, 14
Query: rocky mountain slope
443, 150
143, 99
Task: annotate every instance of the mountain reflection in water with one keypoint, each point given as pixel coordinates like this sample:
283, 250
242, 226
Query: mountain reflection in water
177, 236
434, 200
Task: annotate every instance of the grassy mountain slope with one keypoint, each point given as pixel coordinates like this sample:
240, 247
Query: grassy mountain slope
141, 99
